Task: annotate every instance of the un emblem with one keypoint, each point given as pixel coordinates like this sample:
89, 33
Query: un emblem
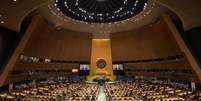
101, 63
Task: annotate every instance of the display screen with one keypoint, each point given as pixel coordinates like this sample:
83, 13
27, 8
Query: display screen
84, 67
118, 67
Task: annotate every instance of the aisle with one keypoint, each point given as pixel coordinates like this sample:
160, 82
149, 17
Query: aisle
101, 94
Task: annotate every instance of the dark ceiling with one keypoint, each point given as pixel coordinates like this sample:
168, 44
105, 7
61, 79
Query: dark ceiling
100, 11
13, 12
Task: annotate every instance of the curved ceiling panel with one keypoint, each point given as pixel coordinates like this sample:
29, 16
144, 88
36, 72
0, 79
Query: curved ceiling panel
100, 11
147, 16
187, 10
13, 12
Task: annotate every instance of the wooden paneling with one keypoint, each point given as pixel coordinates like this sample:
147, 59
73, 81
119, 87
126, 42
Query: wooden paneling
149, 42
48, 42
187, 10
178, 70
45, 41
41, 71
23, 42
18, 78
183, 77
182, 45
46, 66
164, 41
101, 49
154, 41
179, 65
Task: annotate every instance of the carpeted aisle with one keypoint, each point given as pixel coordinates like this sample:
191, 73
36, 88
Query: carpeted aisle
101, 94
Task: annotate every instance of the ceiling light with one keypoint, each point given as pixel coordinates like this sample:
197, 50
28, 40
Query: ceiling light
102, 11
2, 22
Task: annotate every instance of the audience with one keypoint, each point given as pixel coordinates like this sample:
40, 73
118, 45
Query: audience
55, 91
128, 90
144, 90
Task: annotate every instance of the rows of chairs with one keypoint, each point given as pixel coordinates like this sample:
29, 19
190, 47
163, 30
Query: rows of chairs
131, 90
120, 92
140, 90
57, 91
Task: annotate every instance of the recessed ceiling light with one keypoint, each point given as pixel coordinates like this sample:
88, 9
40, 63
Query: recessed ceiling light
102, 11
2, 22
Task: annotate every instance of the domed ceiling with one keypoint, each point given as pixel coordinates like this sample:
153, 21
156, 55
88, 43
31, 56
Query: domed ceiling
99, 16
100, 11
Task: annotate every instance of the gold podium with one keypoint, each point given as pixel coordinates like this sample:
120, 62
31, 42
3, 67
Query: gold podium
101, 50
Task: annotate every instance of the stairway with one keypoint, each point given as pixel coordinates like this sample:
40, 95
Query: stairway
101, 94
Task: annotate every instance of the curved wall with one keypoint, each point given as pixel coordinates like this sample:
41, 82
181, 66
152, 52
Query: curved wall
150, 42
58, 44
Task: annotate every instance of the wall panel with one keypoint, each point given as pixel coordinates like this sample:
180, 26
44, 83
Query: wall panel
48, 42
150, 42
